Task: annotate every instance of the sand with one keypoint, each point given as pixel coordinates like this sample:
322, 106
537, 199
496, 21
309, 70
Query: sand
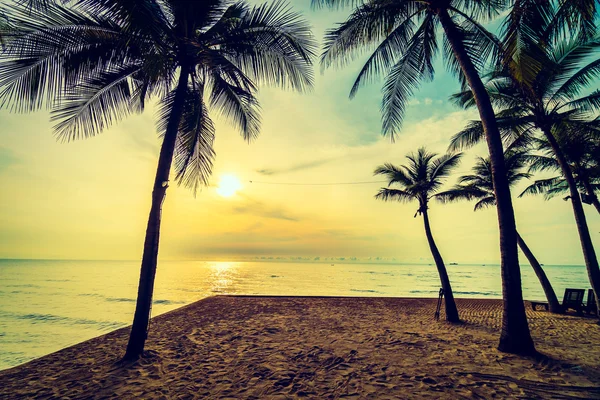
322, 348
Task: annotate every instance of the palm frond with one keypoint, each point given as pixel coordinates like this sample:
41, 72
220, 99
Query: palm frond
541, 186
394, 174
271, 44
539, 163
574, 16
585, 104
443, 165
94, 105
46, 52
403, 79
387, 194
371, 23
140, 18
577, 81
522, 35
238, 105
194, 153
461, 192
484, 203
481, 45
335, 4
472, 134
384, 56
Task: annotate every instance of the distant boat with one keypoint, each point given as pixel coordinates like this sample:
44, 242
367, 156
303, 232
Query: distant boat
453, 263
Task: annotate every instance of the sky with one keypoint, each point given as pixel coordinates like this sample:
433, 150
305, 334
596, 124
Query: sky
90, 199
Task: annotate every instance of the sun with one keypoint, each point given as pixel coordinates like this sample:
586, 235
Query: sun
228, 185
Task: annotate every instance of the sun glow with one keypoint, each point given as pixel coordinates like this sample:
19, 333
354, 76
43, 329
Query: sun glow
228, 185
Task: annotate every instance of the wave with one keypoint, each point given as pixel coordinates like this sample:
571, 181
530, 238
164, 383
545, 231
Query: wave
35, 318
132, 300
167, 302
376, 273
27, 285
478, 293
364, 290
120, 299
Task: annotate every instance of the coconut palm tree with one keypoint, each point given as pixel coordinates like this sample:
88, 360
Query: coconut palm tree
582, 152
479, 186
94, 62
403, 34
419, 180
548, 101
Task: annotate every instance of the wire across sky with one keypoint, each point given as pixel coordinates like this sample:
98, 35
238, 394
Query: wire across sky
315, 184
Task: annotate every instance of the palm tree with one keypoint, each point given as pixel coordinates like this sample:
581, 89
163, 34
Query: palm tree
94, 62
419, 180
403, 35
547, 100
583, 155
479, 186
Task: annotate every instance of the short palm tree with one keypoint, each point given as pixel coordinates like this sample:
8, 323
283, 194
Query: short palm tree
403, 36
94, 62
479, 186
419, 180
548, 100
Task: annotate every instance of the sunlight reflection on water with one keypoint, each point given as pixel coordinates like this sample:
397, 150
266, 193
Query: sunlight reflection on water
48, 305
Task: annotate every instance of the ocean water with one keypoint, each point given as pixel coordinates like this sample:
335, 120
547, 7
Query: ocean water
48, 305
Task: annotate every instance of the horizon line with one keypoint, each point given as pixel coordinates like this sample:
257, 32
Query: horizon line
287, 260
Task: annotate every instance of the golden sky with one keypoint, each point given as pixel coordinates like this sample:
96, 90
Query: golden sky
89, 199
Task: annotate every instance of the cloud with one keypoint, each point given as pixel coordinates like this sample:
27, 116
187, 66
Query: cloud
345, 234
264, 210
297, 167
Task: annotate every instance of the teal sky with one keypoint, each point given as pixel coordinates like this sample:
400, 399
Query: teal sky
90, 199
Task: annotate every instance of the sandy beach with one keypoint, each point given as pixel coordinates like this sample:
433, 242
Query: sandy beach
229, 347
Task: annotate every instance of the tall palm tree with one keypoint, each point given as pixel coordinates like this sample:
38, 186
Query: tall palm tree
403, 34
582, 152
419, 180
479, 186
93, 62
549, 100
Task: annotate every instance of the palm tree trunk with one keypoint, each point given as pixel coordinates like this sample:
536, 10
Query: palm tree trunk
553, 303
451, 310
515, 336
141, 319
589, 254
590, 192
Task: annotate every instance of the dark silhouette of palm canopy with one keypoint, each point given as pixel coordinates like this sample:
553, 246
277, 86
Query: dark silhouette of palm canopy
92, 62
419, 180
582, 152
479, 186
541, 90
403, 34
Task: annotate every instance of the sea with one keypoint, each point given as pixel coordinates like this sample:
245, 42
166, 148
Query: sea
47, 305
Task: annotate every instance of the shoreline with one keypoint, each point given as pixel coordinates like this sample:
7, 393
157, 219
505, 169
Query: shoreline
235, 346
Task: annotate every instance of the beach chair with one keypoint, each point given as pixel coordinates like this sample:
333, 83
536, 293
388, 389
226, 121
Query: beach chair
574, 299
590, 306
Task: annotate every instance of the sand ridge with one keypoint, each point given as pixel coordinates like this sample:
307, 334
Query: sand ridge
246, 347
